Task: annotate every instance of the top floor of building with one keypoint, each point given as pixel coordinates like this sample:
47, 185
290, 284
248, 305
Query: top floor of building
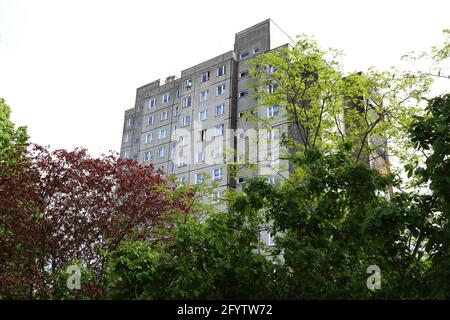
259, 38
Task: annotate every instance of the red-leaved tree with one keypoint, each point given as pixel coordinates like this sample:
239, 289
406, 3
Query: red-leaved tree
61, 207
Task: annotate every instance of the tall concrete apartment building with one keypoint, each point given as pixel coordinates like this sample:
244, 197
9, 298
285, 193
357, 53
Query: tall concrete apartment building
189, 126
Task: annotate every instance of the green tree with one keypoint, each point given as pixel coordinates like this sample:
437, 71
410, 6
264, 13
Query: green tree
326, 107
431, 135
333, 221
11, 138
214, 259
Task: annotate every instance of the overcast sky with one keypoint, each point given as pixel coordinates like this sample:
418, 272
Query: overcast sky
69, 69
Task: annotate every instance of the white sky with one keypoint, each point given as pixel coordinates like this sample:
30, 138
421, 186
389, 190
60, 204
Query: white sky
70, 68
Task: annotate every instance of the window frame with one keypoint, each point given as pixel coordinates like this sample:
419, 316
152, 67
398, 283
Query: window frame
147, 139
200, 113
168, 95
166, 113
127, 138
198, 159
244, 93
163, 149
147, 156
182, 161
204, 95
165, 133
152, 103
187, 99
222, 108
183, 140
198, 181
222, 89
222, 130
219, 73
220, 154
188, 83
243, 73
244, 54
184, 122
273, 111
204, 77
220, 176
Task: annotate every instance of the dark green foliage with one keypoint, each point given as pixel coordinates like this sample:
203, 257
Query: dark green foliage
214, 259
333, 221
431, 134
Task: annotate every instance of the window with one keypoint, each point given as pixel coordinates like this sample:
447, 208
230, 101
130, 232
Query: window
217, 174
186, 121
272, 69
166, 97
221, 71
149, 138
205, 76
188, 84
202, 135
219, 130
187, 102
272, 134
242, 180
220, 90
255, 50
130, 122
127, 138
126, 154
164, 115
182, 161
175, 129
152, 103
199, 178
244, 54
200, 156
178, 93
217, 152
150, 120
220, 109
270, 239
202, 115
204, 95
271, 180
161, 152
176, 111
243, 73
182, 179
147, 156
135, 156
172, 167
183, 141
173, 147
243, 94
216, 197
162, 134
140, 108
272, 111
272, 88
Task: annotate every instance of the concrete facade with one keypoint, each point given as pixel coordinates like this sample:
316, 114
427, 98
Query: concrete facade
190, 126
